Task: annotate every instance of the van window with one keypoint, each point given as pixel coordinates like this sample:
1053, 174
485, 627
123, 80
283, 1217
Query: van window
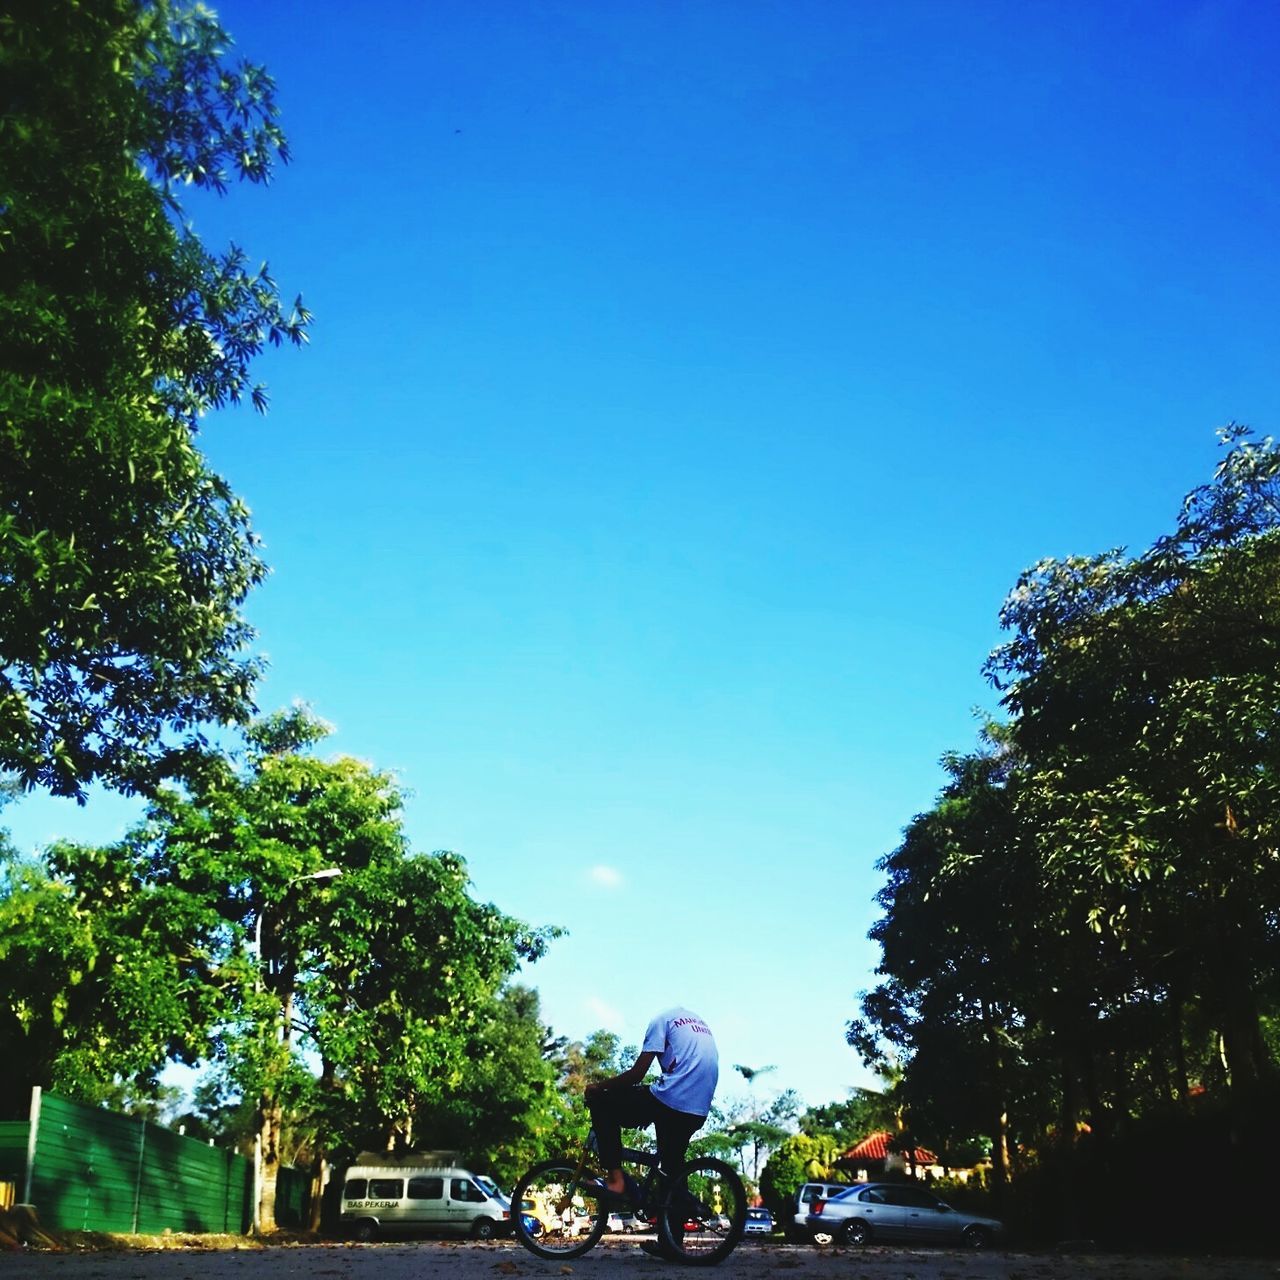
356, 1189
465, 1189
426, 1188
386, 1188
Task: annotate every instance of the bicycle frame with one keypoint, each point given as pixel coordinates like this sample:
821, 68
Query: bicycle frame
559, 1212
646, 1160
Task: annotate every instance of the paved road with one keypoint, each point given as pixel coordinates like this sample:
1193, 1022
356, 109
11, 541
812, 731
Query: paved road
612, 1260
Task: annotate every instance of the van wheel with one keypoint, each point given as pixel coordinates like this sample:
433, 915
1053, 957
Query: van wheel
366, 1230
483, 1229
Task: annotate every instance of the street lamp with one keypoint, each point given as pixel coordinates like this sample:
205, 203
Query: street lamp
328, 873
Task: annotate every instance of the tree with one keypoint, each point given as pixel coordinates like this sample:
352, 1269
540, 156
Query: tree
962, 986
1124, 820
385, 972
579, 1063
124, 559
798, 1159
107, 974
752, 1128
505, 1112
273, 920
1145, 692
847, 1122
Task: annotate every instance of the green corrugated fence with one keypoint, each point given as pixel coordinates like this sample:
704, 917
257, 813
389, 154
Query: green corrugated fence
13, 1159
13, 1150
95, 1171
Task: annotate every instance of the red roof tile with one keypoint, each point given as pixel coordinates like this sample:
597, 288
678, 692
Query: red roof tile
876, 1147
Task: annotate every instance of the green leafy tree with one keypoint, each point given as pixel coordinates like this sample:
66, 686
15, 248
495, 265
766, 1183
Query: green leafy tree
579, 1063
962, 992
344, 945
1145, 692
108, 974
751, 1127
124, 559
1124, 821
847, 1122
272, 920
797, 1159
505, 1112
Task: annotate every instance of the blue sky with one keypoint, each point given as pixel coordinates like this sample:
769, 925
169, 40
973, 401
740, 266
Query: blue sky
689, 384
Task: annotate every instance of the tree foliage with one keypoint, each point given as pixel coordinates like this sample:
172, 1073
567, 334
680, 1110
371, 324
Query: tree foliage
797, 1159
109, 974
124, 559
207, 934
848, 1121
505, 1111
1124, 820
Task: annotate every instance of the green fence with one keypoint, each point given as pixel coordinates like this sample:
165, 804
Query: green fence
13, 1159
13, 1150
97, 1171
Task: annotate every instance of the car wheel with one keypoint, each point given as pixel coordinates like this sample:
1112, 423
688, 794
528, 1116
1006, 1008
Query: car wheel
857, 1232
483, 1229
976, 1237
365, 1231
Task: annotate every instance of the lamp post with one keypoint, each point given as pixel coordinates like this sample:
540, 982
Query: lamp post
326, 873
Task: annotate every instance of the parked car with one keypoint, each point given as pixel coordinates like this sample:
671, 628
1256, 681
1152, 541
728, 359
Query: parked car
899, 1211
759, 1222
390, 1199
798, 1227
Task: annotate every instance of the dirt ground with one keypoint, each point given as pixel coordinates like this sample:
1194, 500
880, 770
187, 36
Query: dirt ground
611, 1260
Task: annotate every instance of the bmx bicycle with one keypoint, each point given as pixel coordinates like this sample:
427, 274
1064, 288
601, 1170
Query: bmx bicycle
558, 1211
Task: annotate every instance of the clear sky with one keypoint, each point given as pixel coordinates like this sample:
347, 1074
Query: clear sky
689, 384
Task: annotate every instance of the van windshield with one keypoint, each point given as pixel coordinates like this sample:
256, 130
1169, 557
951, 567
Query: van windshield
491, 1187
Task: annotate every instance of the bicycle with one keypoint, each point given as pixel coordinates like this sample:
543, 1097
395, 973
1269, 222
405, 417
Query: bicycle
700, 1214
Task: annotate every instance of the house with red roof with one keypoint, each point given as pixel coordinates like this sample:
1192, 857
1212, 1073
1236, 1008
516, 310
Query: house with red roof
877, 1156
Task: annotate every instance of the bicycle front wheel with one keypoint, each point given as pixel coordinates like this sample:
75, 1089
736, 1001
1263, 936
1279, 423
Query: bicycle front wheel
706, 1213
553, 1215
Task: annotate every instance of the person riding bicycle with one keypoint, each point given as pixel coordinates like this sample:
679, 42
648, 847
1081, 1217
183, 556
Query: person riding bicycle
676, 1104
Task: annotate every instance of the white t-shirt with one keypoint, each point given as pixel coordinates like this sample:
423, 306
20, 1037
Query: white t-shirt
689, 1060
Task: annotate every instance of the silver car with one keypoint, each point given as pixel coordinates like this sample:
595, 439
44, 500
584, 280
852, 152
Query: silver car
884, 1211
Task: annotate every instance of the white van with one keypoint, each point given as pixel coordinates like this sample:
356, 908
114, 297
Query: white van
399, 1198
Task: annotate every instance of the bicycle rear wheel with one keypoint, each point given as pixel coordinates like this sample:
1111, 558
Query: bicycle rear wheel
553, 1215
707, 1213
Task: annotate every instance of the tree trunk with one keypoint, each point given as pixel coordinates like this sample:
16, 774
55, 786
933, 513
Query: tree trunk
319, 1165
1099, 1117
1000, 1126
1181, 1082
270, 1124
315, 1210
1069, 1213
1231, 982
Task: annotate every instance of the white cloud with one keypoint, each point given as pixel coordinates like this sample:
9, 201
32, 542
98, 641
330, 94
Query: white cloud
605, 1014
605, 877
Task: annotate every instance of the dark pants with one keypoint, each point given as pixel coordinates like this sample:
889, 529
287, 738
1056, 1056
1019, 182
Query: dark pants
636, 1108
